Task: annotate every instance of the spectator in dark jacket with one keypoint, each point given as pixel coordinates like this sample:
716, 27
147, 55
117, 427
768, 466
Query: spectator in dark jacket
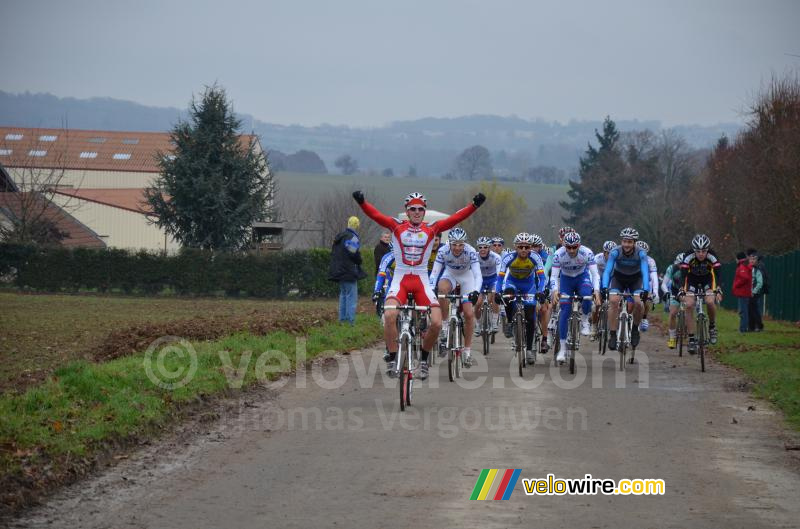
755, 323
382, 248
743, 288
346, 269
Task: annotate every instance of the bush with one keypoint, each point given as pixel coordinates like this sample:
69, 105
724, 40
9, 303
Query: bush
190, 272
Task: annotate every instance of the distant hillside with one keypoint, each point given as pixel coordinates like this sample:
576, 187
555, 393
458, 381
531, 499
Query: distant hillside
428, 144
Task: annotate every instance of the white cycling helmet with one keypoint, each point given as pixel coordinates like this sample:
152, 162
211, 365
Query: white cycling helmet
572, 238
537, 240
629, 233
679, 258
483, 241
498, 240
643, 246
609, 245
701, 242
416, 199
523, 238
457, 235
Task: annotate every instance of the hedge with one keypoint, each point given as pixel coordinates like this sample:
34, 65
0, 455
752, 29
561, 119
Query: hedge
190, 272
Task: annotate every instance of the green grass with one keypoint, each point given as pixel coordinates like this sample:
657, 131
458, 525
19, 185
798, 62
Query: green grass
771, 358
85, 404
41, 332
394, 190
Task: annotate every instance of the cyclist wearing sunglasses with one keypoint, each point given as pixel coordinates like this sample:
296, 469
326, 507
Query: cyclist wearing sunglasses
522, 271
543, 309
574, 272
412, 245
458, 263
489, 262
627, 271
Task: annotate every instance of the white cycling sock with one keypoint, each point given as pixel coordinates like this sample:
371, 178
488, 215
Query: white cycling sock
673, 333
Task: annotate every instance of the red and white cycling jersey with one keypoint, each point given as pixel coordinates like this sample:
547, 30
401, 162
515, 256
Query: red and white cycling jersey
411, 245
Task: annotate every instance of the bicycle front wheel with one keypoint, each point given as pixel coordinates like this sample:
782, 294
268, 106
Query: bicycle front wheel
403, 372
621, 343
519, 338
702, 339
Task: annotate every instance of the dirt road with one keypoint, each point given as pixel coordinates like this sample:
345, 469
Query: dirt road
346, 457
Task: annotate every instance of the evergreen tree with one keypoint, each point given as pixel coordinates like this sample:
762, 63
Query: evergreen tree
599, 169
212, 187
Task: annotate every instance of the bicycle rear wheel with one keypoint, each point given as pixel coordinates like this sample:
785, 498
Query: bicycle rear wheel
485, 328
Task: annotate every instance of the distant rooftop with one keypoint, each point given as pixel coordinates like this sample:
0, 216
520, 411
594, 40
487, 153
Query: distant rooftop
94, 150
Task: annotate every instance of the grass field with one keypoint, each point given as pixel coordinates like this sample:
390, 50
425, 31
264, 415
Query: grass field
393, 190
41, 332
770, 358
52, 427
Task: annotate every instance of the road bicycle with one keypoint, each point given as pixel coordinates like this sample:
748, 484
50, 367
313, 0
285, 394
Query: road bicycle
454, 342
624, 329
409, 342
518, 328
574, 327
602, 328
552, 330
485, 323
680, 328
701, 325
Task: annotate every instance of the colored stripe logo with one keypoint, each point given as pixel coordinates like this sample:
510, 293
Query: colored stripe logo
496, 484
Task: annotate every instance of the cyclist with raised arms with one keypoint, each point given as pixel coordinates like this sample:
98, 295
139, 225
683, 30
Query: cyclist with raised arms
651, 266
574, 272
627, 270
411, 246
700, 271
458, 263
489, 262
522, 271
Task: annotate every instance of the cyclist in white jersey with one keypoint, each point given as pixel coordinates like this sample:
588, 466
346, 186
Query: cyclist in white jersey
498, 246
574, 272
651, 265
489, 262
458, 263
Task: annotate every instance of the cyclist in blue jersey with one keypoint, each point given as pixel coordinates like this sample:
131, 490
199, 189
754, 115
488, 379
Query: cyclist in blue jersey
489, 262
627, 270
651, 265
384, 276
543, 309
522, 271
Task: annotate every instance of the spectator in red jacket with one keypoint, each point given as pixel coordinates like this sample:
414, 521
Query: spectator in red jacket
743, 288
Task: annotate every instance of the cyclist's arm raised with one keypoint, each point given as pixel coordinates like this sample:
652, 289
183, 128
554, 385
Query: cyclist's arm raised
460, 215
372, 212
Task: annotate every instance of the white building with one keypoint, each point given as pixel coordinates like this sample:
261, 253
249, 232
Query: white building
100, 177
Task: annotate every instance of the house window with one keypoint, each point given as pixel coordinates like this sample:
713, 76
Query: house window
97, 140
37, 153
88, 154
5, 152
48, 137
13, 137
122, 156
130, 141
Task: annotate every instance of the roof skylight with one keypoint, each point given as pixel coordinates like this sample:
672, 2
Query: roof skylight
122, 156
13, 137
88, 154
38, 153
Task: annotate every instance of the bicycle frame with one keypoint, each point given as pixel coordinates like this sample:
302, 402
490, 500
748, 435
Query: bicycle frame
701, 326
518, 323
455, 335
409, 345
573, 328
624, 328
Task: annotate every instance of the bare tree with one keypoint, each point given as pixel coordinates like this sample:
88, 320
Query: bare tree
334, 208
37, 170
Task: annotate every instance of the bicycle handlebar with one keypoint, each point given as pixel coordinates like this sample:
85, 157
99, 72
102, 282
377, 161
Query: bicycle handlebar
421, 308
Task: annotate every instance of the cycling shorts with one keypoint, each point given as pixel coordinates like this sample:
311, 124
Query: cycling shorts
621, 283
466, 280
414, 282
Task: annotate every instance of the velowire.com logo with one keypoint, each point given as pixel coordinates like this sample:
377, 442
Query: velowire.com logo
496, 484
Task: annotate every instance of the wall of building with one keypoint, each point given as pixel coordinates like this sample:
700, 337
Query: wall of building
119, 228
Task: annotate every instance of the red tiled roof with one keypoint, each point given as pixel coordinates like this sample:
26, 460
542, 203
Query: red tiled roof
95, 150
15, 204
129, 199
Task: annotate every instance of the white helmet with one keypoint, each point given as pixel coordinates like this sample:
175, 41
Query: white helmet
483, 241
416, 199
609, 245
572, 238
643, 246
701, 242
457, 235
679, 258
537, 240
629, 233
524, 238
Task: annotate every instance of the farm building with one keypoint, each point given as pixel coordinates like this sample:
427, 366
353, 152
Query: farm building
98, 177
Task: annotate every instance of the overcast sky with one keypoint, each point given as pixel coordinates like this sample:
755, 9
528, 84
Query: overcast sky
368, 62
